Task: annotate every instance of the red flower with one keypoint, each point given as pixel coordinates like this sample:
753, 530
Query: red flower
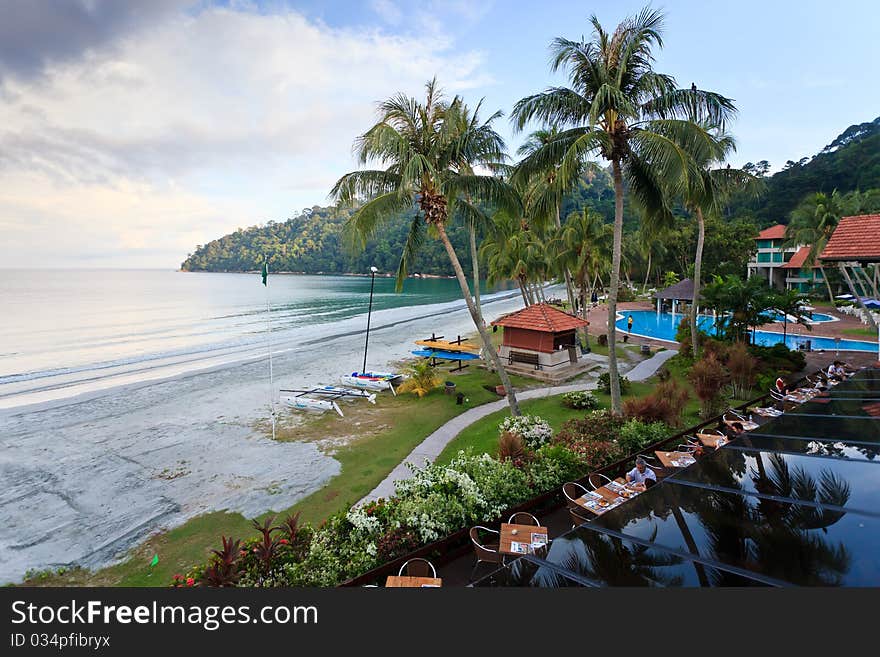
284, 541
178, 576
190, 581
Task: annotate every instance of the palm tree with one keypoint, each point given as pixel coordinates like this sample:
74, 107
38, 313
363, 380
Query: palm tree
545, 194
790, 303
619, 107
579, 246
812, 222
512, 252
706, 194
429, 151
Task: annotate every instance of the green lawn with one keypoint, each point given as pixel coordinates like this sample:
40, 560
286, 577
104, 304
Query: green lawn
861, 332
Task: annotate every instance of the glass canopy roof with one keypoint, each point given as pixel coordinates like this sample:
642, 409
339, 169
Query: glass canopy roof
794, 503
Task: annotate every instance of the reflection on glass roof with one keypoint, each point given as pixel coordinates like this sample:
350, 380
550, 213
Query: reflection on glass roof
797, 502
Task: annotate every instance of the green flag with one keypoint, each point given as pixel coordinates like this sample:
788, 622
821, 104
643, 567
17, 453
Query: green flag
155, 560
265, 271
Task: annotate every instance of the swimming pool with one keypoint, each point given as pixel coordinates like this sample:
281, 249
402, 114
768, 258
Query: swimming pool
817, 318
662, 326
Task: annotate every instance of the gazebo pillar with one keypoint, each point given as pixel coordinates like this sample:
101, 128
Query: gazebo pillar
658, 306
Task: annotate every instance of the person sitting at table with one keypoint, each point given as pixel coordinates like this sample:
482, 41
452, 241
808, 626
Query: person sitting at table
733, 430
639, 474
781, 388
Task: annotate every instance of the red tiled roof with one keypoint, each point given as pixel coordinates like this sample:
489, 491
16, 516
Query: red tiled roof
798, 259
541, 317
855, 238
776, 232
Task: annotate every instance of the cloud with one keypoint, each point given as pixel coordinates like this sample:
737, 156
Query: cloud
387, 10
35, 34
204, 122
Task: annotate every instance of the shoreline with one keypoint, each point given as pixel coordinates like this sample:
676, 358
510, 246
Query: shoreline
186, 446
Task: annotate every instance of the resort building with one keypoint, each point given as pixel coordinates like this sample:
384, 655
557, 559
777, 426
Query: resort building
800, 276
771, 255
540, 341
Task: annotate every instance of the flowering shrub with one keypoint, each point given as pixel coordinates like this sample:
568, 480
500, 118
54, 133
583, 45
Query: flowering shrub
601, 426
532, 429
581, 400
438, 500
604, 383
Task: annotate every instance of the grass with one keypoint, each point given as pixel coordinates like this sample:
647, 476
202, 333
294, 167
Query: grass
482, 436
378, 438
861, 332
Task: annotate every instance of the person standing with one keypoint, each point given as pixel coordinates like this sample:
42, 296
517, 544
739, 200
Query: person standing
629, 324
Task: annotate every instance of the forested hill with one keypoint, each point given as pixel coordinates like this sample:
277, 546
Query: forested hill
850, 162
314, 242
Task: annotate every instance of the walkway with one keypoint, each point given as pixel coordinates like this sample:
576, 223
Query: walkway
431, 446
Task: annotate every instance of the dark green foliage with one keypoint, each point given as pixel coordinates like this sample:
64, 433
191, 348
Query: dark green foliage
778, 358
314, 242
604, 384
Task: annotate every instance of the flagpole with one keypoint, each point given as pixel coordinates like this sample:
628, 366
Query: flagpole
269, 341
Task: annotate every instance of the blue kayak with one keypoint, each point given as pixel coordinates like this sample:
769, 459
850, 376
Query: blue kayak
447, 355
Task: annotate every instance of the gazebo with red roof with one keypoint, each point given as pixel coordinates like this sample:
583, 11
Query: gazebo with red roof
540, 337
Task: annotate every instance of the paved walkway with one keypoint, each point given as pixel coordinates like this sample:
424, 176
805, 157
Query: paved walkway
431, 446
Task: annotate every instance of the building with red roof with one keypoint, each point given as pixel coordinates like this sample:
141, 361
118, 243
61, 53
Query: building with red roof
799, 275
771, 254
541, 341
856, 239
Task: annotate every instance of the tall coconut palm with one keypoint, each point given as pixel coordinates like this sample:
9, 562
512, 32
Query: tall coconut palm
620, 108
546, 195
429, 152
706, 194
511, 251
812, 222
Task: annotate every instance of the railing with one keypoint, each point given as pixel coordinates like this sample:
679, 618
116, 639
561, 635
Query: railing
458, 544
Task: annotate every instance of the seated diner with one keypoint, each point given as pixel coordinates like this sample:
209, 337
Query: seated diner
640, 474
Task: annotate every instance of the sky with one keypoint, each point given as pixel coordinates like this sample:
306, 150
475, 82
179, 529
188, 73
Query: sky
130, 132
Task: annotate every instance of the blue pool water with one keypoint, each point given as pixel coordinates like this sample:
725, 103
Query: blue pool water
663, 326
817, 318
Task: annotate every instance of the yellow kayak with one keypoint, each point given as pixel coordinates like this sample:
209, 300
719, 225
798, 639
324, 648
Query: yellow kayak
445, 345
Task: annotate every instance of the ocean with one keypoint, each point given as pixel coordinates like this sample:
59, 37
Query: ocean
131, 401
69, 332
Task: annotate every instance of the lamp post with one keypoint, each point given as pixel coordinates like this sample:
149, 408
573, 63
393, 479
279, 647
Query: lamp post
373, 271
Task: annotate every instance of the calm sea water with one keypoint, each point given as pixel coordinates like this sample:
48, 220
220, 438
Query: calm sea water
70, 330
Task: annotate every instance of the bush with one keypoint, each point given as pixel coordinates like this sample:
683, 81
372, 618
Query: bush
778, 359
708, 377
511, 447
665, 404
604, 383
552, 466
532, 429
580, 400
742, 366
635, 434
422, 378
624, 293
603, 340
601, 426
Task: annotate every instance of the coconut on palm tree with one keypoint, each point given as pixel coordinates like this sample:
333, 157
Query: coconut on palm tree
619, 107
426, 154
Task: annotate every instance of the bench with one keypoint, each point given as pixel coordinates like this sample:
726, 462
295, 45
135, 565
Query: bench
523, 357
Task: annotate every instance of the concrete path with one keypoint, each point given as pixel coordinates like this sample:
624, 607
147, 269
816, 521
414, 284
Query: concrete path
646, 368
431, 446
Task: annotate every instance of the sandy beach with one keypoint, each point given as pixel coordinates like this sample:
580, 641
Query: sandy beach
88, 477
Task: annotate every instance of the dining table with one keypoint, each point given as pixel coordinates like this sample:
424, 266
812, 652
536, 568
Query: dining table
405, 581
712, 439
675, 459
607, 497
747, 425
517, 540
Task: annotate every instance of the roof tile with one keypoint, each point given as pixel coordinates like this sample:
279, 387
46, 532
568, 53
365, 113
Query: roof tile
541, 317
776, 232
855, 238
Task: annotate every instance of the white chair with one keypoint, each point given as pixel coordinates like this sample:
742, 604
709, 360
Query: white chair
418, 568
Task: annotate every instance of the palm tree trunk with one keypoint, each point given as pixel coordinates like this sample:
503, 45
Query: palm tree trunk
488, 347
613, 372
858, 297
647, 273
698, 266
476, 268
522, 291
827, 284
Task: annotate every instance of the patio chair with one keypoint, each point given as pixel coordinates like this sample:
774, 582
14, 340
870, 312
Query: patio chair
598, 476
572, 491
523, 518
658, 468
418, 568
484, 551
577, 517
736, 416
